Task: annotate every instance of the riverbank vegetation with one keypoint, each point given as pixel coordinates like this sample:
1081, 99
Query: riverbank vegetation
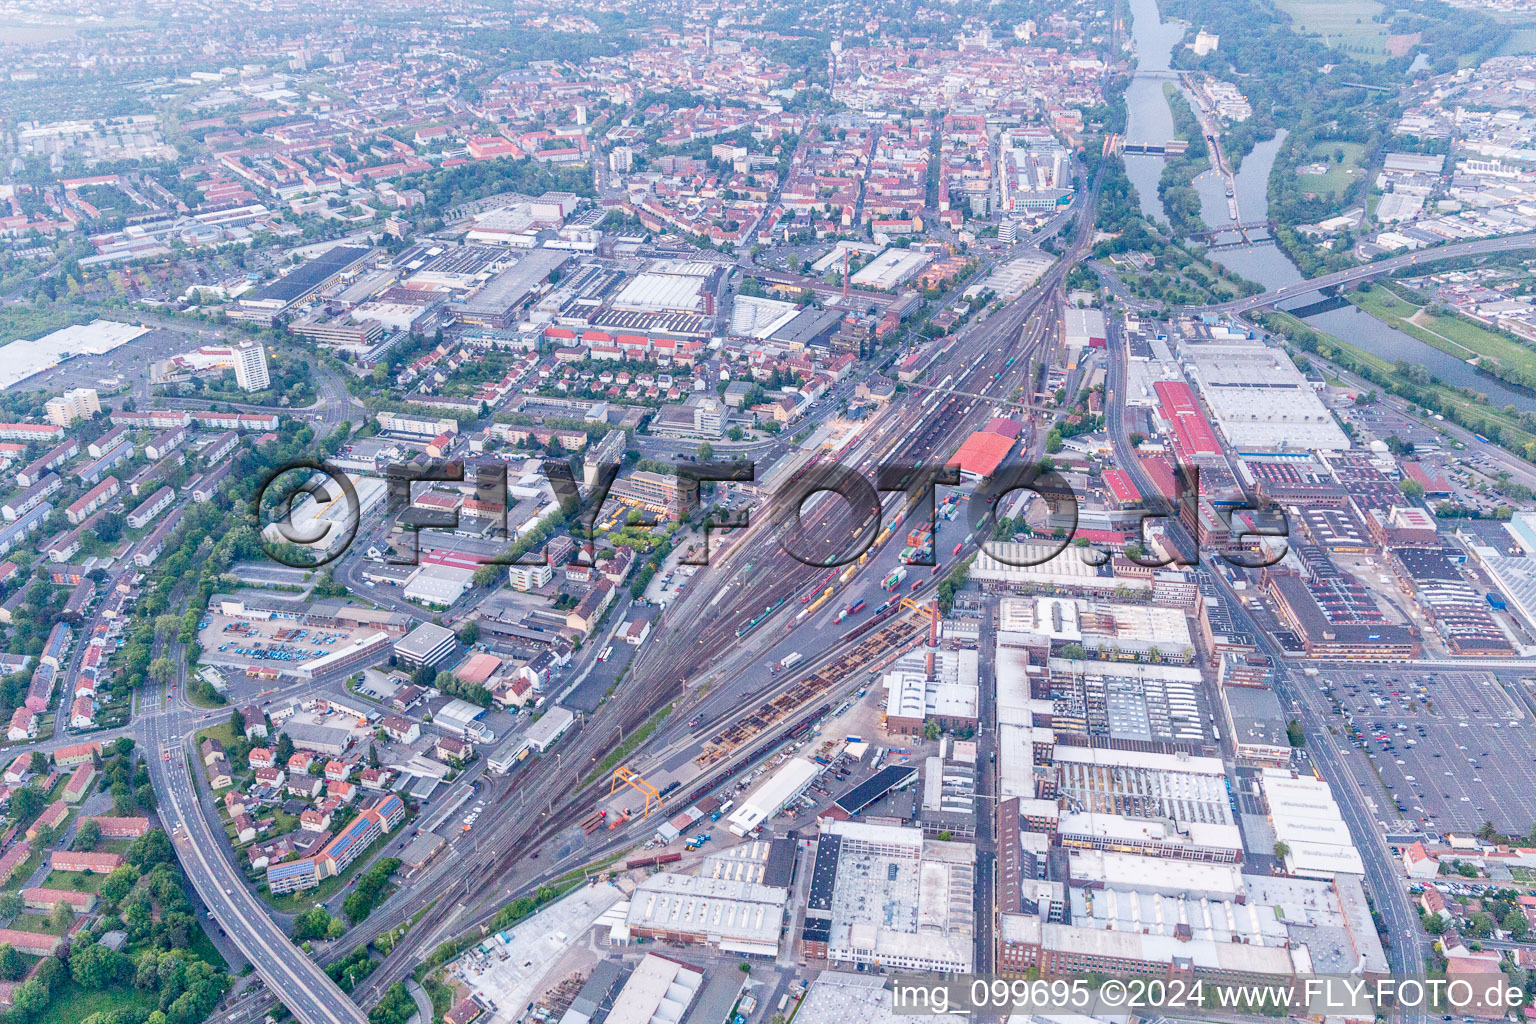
1277, 63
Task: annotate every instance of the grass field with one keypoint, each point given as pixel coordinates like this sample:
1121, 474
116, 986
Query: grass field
1345, 24
1520, 41
74, 1003
21, 321
75, 881
224, 732
37, 923
1341, 174
203, 946
1464, 405
1449, 334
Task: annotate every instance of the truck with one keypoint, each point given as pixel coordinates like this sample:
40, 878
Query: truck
788, 661
893, 581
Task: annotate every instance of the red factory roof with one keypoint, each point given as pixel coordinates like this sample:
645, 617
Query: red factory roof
1005, 427
982, 453
1161, 472
453, 559
1192, 431
1119, 483
477, 668
1431, 479
1099, 536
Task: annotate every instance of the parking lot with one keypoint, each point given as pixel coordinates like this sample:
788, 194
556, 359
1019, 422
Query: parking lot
1454, 748
247, 642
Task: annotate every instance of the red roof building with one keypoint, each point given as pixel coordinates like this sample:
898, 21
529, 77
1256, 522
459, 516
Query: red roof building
981, 454
1435, 485
113, 827
31, 943
52, 817
1005, 427
1192, 432
14, 858
95, 863
47, 899
80, 783
68, 757
1121, 488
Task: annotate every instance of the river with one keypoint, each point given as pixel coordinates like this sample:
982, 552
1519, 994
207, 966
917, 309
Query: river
1147, 116
1149, 120
1354, 325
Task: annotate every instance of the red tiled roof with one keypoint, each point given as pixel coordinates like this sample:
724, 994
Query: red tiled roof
1120, 485
982, 453
1192, 431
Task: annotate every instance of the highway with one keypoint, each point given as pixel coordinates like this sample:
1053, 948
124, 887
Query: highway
304, 987
538, 803
1377, 268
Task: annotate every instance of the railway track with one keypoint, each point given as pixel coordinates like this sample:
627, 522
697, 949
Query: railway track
662, 672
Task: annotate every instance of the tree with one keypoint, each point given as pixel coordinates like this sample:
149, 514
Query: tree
39, 762
237, 722
1515, 923
284, 748
162, 670
26, 802
151, 848
12, 964
63, 916
1281, 850
1295, 733
1053, 441
1411, 488
87, 835
96, 966
314, 923
117, 884
11, 904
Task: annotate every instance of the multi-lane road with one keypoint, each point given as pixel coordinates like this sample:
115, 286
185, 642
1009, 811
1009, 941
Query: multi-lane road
548, 789
1376, 268
166, 733
1405, 950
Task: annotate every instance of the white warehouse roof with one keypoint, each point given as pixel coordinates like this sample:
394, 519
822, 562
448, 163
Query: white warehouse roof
780, 788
